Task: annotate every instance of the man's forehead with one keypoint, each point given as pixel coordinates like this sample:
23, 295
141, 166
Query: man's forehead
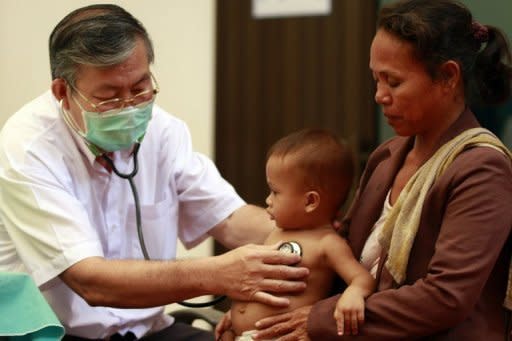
134, 69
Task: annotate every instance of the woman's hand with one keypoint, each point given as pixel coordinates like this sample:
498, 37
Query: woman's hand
289, 326
336, 222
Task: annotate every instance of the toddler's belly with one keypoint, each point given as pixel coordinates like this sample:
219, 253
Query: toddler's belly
245, 314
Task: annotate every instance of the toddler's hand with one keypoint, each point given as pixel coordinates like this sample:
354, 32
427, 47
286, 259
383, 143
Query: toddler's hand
224, 327
349, 314
228, 335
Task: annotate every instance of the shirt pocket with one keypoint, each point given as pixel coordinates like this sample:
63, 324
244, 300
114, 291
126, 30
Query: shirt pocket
159, 230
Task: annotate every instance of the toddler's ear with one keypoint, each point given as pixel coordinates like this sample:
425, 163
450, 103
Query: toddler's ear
312, 201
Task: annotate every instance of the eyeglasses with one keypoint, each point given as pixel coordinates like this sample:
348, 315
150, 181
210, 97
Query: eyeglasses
115, 105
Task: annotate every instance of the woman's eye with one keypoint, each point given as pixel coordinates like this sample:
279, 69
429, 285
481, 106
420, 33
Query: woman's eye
393, 82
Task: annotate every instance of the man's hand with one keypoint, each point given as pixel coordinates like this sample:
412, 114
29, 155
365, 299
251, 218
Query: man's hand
291, 326
256, 272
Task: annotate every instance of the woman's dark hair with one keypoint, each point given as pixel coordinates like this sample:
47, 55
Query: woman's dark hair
442, 30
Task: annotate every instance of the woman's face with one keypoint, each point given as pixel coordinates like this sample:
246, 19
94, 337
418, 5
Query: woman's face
410, 99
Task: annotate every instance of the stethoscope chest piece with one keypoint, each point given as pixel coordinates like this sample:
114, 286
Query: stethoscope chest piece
291, 247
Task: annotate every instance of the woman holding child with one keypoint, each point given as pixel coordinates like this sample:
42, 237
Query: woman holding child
433, 213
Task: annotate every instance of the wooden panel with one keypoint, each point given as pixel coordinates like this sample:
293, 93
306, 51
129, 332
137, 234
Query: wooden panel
279, 75
275, 76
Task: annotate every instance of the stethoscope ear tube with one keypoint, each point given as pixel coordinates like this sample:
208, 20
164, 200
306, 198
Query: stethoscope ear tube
135, 164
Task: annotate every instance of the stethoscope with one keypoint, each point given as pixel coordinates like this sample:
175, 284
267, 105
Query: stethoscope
138, 219
291, 247
287, 247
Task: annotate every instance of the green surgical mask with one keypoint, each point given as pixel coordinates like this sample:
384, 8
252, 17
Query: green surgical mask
109, 132
112, 132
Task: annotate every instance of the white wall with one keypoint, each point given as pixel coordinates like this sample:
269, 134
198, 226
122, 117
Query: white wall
183, 34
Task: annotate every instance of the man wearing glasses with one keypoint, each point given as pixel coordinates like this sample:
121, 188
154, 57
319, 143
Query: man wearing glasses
72, 223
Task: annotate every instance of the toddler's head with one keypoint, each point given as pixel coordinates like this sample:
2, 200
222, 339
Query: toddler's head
309, 174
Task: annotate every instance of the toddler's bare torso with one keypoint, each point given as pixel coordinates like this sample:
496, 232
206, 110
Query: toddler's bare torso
245, 314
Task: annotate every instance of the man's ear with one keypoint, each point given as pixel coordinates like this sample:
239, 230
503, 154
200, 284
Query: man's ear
61, 91
312, 201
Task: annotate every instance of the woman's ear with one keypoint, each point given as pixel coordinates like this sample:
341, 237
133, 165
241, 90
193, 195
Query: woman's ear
450, 75
60, 91
312, 201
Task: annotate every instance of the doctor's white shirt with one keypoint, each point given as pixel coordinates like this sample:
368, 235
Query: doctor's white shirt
59, 206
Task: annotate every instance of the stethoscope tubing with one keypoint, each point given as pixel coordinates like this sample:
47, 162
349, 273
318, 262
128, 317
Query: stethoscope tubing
138, 218
130, 177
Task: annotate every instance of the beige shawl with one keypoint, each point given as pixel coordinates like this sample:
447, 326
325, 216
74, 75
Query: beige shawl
398, 233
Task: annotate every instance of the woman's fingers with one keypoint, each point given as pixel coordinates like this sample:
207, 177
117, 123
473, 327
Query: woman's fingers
287, 326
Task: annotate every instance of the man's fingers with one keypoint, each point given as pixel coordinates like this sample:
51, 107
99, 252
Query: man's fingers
284, 272
256, 273
273, 256
282, 286
280, 261
270, 321
278, 257
271, 300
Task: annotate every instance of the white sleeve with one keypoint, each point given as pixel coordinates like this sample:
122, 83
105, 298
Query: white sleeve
48, 226
205, 197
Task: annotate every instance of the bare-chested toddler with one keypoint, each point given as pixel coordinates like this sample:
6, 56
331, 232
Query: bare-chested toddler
309, 174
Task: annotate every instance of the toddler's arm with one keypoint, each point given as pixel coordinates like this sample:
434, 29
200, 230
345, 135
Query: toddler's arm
349, 312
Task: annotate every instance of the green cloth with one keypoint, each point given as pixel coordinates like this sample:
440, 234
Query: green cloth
24, 313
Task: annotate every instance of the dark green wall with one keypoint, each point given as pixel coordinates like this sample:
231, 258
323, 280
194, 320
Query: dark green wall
490, 12
493, 12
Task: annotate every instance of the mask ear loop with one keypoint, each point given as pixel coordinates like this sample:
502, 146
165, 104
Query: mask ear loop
70, 121
135, 164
